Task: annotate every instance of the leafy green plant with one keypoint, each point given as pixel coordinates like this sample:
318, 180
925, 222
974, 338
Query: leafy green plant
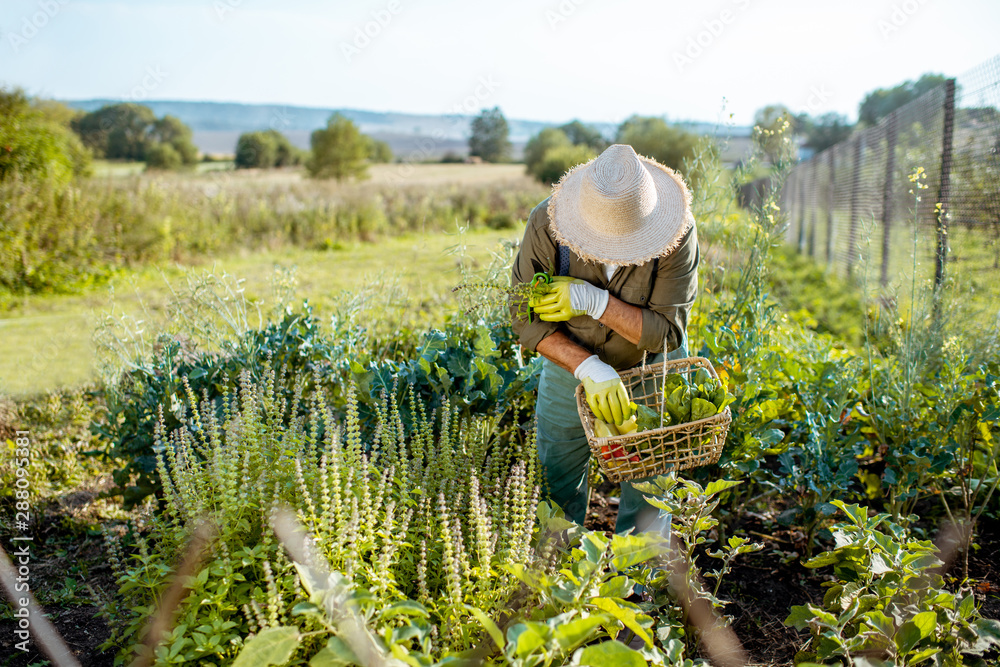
888, 604
974, 437
691, 508
570, 607
156, 388
575, 594
819, 460
426, 515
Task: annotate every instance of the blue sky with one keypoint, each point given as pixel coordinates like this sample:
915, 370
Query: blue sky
545, 60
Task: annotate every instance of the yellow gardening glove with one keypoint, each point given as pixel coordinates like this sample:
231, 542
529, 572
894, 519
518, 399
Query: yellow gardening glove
605, 392
556, 304
608, 400
568, 298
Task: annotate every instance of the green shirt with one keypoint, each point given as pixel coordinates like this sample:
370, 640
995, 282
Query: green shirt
665, 299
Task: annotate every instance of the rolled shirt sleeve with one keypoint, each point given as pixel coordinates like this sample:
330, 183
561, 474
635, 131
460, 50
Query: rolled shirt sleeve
537, 253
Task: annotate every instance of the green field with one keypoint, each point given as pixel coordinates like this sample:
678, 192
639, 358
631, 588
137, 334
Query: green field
46, 341
47, 344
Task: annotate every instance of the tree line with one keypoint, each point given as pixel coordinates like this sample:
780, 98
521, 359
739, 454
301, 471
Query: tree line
46, 137
43, 138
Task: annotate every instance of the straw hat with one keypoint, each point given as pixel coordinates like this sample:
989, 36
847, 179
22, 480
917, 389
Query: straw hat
620, 208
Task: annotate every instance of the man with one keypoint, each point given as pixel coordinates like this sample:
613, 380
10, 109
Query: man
624, 224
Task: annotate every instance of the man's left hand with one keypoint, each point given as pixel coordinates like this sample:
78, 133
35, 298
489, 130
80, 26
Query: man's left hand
568, 298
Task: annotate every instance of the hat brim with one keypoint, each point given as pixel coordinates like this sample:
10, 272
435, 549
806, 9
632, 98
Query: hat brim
656, 235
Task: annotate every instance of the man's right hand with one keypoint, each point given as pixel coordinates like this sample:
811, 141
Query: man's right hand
604, 389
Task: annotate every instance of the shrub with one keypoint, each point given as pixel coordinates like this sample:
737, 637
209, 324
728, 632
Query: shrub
557, 161
888, 601
548, 139
255, 150
338, 151
33, 147
263, 150
652, 137
163, 156
154, 390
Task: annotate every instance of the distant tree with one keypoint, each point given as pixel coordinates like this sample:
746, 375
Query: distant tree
256, 150
490, 136
561, 159
652, 137
451, 157
881, 102
171, 130
581, 134
117, 131
285, 152
534, 151
57, 112
33, 146
339, 150
824, 131
263, 150
163, 155
379, 151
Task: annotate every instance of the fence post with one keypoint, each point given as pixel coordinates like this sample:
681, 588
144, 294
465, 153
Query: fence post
801, 241
852, 236
944, 190
831, 202
812, 209
890, 174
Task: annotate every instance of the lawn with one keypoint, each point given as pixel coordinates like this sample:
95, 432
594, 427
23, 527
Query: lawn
46, 340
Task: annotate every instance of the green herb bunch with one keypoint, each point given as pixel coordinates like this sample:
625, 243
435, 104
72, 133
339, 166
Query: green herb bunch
425, 515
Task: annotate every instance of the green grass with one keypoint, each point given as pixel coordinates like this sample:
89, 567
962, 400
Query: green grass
969, 269
46, 340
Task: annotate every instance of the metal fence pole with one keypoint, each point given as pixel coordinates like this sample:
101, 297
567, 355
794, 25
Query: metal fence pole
944, 190
887, 200
831, 202
812, 209
800, 173
852, 236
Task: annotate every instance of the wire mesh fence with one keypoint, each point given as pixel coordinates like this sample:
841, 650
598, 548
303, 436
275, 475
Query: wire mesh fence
855, 207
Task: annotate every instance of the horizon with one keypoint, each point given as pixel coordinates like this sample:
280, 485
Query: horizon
714, 64
110, 100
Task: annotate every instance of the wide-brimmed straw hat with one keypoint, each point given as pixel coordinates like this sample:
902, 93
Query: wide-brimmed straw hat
620, 208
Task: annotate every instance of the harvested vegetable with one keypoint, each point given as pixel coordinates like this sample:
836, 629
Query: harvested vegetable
687, 397
671, 382
603, 429
647, 418
678, 404
701, 409
628, 426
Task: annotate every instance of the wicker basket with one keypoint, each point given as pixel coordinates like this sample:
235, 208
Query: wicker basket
659, 450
